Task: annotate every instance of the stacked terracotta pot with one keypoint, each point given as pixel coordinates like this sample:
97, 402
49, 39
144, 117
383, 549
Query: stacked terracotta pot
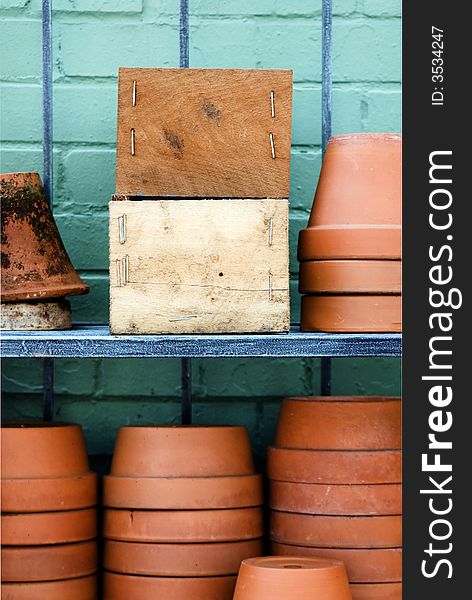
335, 489
183, 511
350, 253
48, 518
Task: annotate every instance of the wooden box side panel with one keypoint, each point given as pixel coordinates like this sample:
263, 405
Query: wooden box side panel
199, 266
211, 133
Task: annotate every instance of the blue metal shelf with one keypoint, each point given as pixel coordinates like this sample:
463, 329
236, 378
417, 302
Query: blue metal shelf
95, 341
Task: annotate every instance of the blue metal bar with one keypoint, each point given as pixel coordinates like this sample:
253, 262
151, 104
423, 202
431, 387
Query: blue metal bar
184, 34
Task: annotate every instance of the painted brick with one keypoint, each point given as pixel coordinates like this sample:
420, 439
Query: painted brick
304, 170
382, 8
21, 49
16, 159
140, 377
116, 45
383, 110
295, 301
86, 240
366, 376
20, 117
99, 6
89, 179
6, 4
94, 306
267, 7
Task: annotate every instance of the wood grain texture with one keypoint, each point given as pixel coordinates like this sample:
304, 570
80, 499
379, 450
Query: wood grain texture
199, 266
204, 133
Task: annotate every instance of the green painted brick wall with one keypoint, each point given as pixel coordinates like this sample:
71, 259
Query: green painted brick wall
92, 38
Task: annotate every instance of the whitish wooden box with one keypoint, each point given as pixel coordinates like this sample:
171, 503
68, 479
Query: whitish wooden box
185, 266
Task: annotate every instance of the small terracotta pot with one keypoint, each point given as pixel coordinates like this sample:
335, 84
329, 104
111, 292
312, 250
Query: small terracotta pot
277, 578
381, 565
127, 587
180, 451
361, 242
354, 500
336, 532
340, 423
37, 529
180, 493
350, 277
334, 466
351, 314
39, 449
84, 588
183, 525
35, 263
376, 591
49, 563
43, 495
178, 560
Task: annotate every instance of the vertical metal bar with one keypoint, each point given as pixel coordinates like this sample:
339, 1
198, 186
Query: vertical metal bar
186, 367
48, 389
326, 127
184, 34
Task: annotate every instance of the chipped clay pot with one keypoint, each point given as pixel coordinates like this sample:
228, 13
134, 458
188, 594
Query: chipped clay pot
182, 493
182, 451
334, 466
126, 587
178, 560
350, 277
83, 588
351, 314
37, 529
382, 565
340, 423
354, 500
277, 578
376, 591
340, 532
49, 563
178, 526
35, 264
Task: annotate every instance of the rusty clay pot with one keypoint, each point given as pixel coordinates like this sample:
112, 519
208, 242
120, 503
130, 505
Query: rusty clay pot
335, 466
186, 526
348, 242
35, 264
32, 449
35, 495
350, 277
381, 565
286, 578
182, 451
376, 591
321, 531
183, 493
352, 314
132, 587
354, 500
178, 560
83, 588
49, 563
340, 423
36, 315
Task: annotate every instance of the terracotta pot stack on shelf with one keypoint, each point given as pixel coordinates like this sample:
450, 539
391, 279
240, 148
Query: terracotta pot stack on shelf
49, 521
350, 253
335, 488
183, 509
286, 578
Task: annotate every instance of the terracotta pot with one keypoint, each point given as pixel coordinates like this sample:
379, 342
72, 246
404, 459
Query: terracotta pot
380, 565
351, 314
178, 560
37, 529
354, 500
37, 315
38, 449
350, 277
49, 563
340, 423
159, 493
127, 587
337, 242
183, 525
336, 532
54, 494
34, 261
376, 591
360, 181
180, 451
84, 588
277, 578
335, 467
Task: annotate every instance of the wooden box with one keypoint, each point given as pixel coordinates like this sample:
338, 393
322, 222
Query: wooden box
199, 266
